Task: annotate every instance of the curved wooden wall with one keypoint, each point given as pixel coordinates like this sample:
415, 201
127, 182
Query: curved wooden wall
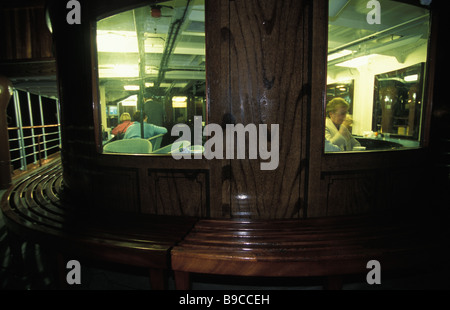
266, 64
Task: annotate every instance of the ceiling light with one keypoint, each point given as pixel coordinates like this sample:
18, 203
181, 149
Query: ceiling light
130, 101
117, 41
123, 71
339, 55
179, 102
131, 87
411, 78
356, 62
179, 98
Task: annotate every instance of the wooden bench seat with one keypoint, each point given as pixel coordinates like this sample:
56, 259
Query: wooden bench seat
325, 247
318, 247
33, 210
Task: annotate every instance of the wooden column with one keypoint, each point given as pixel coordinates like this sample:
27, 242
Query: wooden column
268, 83
5, 157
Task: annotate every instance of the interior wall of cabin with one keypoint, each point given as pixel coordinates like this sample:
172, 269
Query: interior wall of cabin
364, 78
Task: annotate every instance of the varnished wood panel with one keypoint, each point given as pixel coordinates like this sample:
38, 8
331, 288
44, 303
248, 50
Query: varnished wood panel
122, 190
393, 190
349, 193
179, 192
109, 188
25, 34
268, 72
217, 81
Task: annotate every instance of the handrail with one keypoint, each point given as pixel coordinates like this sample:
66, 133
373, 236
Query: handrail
32, 140
34, 127
34, 144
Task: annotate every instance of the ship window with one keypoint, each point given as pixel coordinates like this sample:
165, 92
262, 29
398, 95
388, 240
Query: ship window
151, 71
377, 57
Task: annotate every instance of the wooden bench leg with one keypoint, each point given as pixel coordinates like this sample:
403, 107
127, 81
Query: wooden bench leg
158, 279
182, 280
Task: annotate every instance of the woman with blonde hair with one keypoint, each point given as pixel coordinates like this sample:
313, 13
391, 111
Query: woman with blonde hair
120, 130
337, 124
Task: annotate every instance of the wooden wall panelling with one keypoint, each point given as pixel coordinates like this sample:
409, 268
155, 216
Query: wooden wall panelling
115, 188
387, 190
269, 46
404, 190
180, 192
218, 104
315, 197
25, 34
350, 193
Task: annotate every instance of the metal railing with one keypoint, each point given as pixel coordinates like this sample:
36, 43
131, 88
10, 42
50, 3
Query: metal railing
32, 143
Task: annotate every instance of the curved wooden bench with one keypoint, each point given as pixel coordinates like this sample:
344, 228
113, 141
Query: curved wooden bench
33, 210
325, 247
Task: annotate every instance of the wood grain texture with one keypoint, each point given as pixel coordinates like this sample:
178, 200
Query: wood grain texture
268, 84
180, 192
25, 33
331, 246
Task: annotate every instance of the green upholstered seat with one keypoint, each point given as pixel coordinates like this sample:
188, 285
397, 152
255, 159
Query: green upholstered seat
129, 146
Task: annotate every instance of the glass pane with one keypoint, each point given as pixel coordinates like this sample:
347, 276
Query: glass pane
151, 66
377, 53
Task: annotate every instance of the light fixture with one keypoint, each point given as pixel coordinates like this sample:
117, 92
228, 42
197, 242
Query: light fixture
131, 87
117, 41
356, 62
118, 71
137, 87
411, 78
179, 102
339, 54
130, 101
371, 59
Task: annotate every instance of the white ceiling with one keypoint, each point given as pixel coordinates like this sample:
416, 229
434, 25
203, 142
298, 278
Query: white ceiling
402, 28
174, 45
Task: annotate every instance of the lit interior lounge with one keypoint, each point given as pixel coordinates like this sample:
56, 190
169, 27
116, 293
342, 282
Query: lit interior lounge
212, 144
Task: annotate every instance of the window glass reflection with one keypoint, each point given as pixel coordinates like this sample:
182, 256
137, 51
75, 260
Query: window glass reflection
376, 66
151, 67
